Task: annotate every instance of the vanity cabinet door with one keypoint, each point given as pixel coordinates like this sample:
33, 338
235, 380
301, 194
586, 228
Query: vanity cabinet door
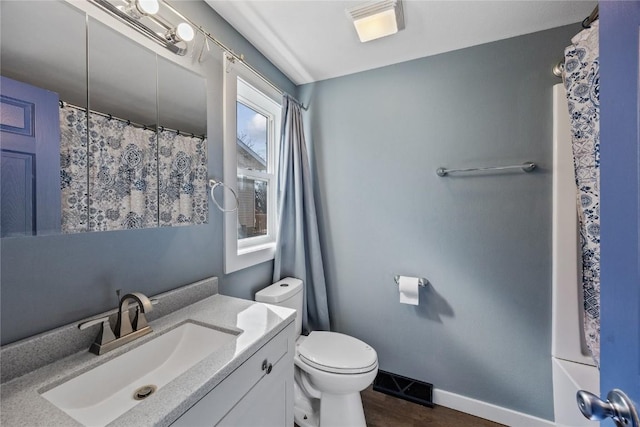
268, 396
266, 405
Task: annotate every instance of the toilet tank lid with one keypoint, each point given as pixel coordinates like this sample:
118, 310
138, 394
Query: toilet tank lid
280, 291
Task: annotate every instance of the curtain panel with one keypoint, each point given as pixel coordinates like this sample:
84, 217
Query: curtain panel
581, 77
298, 253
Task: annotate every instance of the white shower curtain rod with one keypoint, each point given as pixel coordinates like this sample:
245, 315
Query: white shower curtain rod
130, 123
233, 54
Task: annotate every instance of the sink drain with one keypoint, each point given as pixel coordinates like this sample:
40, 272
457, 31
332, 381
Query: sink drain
144, 392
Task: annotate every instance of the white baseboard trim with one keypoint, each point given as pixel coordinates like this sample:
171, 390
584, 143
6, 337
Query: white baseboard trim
488, 411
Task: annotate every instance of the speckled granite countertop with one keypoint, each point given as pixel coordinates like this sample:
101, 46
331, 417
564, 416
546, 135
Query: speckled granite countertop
22, 405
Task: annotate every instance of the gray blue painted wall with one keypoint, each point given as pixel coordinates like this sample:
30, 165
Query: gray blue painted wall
50, 281
483, 326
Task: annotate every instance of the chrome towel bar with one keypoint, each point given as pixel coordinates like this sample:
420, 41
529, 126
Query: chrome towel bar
526, 167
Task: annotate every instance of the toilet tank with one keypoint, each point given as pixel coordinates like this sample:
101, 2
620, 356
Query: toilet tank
285, 293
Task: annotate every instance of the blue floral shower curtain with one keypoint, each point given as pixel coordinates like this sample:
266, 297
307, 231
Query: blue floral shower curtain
74, 163
582, 81
123, 175
116, 176
298, 251
183, 179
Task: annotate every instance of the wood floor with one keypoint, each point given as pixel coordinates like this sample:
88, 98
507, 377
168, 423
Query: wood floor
382, 410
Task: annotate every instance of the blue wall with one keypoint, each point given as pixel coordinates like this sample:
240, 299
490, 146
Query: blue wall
483, 327
50, 281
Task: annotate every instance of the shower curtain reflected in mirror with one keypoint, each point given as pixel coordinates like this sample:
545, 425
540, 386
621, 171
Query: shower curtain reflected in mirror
125, 180
74, 170
581, 77
183, 179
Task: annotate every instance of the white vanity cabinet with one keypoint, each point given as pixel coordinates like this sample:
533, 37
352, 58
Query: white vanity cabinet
258, 393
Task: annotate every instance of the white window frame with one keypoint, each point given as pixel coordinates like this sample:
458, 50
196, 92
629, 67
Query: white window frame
241, 84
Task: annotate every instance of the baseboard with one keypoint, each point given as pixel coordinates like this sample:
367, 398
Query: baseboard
488, 411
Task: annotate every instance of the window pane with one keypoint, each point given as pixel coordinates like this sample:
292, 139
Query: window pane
252, 209
251, 140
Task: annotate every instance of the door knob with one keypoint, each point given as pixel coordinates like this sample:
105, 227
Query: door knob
618, 407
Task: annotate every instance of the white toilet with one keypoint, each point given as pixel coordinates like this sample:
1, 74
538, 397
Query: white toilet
330, 368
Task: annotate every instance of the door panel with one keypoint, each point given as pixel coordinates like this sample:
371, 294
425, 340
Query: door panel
17, 193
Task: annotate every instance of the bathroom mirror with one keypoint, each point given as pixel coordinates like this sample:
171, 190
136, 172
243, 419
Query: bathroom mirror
103, 169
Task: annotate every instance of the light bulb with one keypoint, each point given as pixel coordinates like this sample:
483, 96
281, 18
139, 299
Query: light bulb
185, 32
182, 33
148, 7
139, 8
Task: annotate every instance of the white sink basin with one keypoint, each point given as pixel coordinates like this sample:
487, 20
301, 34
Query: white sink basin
102, 394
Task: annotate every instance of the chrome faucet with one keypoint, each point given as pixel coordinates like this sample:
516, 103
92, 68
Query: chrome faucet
125, 330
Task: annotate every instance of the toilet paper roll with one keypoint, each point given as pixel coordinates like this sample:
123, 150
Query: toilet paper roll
409, 289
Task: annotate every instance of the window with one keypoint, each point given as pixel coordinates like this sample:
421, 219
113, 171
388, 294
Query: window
251, 136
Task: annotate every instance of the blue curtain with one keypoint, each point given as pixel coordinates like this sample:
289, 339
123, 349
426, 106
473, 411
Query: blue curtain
298, 249
582, 80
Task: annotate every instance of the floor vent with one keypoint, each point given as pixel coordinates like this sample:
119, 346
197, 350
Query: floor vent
404, 388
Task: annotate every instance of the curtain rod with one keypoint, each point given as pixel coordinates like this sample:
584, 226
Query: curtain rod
586, 23
130, 123
233, 54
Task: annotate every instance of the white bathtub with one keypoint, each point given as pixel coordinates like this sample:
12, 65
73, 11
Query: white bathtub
568, 378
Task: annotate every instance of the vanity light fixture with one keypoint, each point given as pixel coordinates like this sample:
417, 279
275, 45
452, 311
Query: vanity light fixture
376, 19
145, 16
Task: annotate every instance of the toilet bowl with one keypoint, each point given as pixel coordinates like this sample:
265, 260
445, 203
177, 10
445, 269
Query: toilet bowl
330, 368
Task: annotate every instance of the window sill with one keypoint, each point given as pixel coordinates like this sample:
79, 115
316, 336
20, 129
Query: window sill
258, 247
249, 256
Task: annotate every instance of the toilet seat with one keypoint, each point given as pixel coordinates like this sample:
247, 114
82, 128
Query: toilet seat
337, 353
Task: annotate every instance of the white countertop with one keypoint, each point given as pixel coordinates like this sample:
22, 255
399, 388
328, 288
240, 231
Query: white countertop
21, 403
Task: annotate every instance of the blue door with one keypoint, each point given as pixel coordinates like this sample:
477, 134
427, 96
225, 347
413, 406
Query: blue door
619, 184
30, 160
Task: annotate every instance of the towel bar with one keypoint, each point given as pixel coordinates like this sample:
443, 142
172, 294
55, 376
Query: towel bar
526, 167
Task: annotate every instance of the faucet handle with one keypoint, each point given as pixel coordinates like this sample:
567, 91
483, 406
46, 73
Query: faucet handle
106, 334
89, 323
154, 301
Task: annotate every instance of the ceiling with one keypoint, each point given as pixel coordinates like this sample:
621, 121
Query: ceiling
311, 40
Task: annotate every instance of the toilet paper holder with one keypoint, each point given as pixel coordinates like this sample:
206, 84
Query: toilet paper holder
421, 282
